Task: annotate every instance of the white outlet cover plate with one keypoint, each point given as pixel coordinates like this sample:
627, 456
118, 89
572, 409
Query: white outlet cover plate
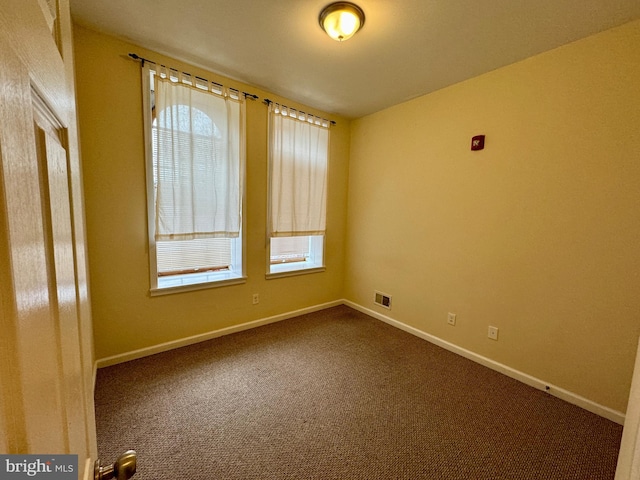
493, 333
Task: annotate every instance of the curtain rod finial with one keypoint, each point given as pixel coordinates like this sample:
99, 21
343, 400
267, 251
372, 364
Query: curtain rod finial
137, 58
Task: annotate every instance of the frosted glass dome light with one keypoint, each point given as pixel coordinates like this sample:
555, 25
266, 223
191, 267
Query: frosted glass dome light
341, 20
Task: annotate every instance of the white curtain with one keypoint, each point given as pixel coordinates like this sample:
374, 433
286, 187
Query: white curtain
197, 159
298, 161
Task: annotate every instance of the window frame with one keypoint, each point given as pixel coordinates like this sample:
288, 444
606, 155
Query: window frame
188, 282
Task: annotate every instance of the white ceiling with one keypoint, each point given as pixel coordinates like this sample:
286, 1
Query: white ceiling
407, 48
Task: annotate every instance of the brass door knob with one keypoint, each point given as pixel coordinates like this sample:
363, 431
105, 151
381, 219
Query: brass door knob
122, 469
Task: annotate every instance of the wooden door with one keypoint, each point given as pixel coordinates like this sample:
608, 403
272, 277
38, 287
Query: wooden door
46, 364
629, 458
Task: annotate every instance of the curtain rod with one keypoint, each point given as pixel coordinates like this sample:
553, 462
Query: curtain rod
142, 60
266, 101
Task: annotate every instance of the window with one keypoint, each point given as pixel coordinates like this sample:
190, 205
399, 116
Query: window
195, 160
296, 253
298, 161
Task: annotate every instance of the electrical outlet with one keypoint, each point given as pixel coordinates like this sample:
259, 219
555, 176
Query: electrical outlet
493, 333
256, 298
451, 318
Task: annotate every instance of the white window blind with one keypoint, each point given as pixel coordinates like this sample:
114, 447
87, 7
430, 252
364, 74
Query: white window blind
290, 249
179, 257
298, 160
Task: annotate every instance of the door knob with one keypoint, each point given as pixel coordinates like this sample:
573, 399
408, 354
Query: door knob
122, 469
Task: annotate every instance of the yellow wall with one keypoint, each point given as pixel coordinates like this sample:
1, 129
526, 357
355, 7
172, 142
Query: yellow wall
538, 234
125, 317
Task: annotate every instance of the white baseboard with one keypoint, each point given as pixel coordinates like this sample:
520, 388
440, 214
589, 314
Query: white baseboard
558, 392
163, 347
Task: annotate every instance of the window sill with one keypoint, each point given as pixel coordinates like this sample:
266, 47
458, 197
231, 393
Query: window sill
278, 271
189, 287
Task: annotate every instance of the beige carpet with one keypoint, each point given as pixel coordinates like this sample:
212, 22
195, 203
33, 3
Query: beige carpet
339, 395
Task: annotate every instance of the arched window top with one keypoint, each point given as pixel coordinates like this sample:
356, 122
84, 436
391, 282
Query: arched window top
186, 119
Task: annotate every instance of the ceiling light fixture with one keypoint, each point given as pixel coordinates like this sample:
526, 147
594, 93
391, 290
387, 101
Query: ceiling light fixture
341, 20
